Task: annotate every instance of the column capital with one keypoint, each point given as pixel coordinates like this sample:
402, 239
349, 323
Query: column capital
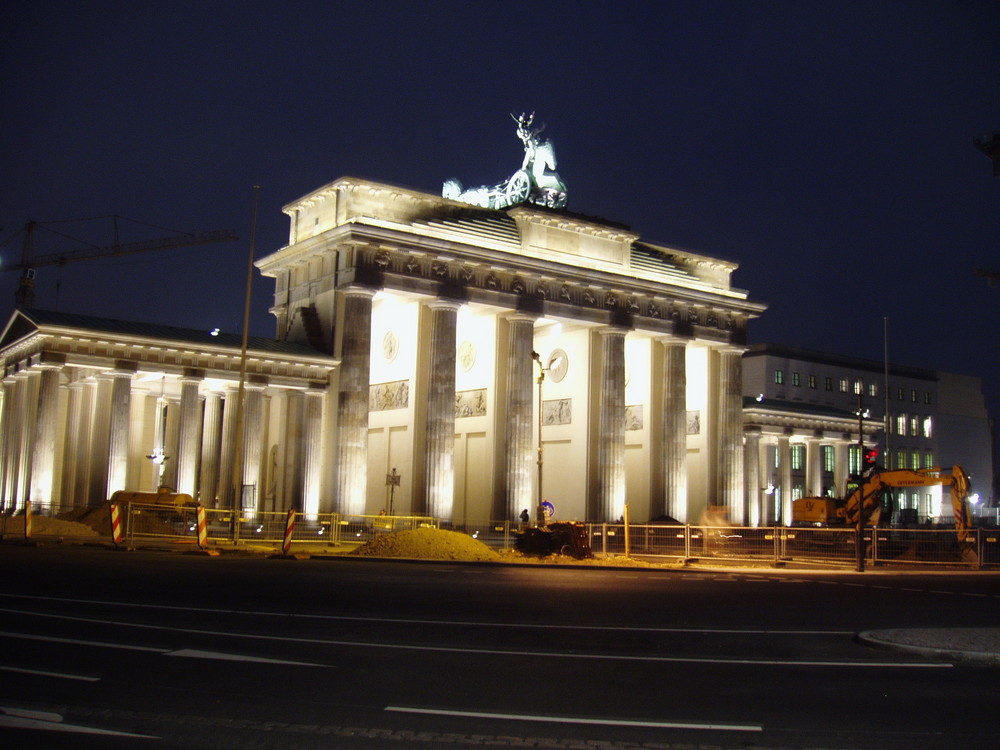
356, 290
442, 303
613, 330
521, 317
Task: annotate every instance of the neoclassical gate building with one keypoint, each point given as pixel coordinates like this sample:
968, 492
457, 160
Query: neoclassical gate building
453, 323
466, 349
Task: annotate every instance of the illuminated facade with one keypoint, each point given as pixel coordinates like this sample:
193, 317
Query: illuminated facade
91, 406
412, 330
433, 308
801, 426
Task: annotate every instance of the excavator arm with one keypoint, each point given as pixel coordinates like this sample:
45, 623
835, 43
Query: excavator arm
866, 498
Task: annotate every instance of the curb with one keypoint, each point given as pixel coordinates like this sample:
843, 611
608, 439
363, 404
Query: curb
939, 643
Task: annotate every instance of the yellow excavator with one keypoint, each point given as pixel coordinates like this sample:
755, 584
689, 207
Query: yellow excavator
866, 499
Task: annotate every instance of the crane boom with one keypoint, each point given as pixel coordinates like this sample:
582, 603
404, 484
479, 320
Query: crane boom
125, 248
25, 294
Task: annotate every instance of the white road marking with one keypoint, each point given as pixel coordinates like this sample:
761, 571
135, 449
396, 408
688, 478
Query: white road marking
19, 718
577, 720
189, 653
77, 641
193, 653
480, 651
43, 673
414, 621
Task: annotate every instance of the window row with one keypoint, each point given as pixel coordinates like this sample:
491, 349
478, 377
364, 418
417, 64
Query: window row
899, 459
847, 385
911, 425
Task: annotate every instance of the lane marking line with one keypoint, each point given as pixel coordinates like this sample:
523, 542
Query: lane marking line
189, 653
194, 653
16, 718
577, 720
78, 641
43, 673
414, 621
480, 651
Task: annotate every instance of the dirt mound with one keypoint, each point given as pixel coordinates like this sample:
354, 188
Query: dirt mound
427, 544
46, 526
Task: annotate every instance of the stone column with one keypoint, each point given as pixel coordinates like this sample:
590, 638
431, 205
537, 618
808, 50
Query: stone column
226, 492
5, 414
440, 430
312, 444
754, 491
85, 457
43, 458
519, 422
814, 468
99, 440
71, 445
611, 426
841, 460
253, 441
188, 434
352, 427
13, 421
675, 430
210, 448
27, 403
119, 414
785, 481
291, 471
731, 493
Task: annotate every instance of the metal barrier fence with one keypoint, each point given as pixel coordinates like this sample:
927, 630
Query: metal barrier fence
773, 544
361, 529
883, 545
179, 522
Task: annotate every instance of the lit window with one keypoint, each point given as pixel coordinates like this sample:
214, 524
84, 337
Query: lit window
797, 492
829, 458
927, 427
812, 382
900, 424
779, 376
843, 385
915, 426
873, 389
913, 395
798, 457
796, 379
927, 397
900, 394
928, 460
915, 460
900, 459
857, 387
854, 459
828, 383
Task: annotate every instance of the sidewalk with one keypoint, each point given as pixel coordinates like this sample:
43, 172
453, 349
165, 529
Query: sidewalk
980, 646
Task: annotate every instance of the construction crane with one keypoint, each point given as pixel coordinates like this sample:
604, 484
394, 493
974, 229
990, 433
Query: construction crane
25, 294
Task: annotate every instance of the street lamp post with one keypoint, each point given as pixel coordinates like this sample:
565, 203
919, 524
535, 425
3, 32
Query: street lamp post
554, 361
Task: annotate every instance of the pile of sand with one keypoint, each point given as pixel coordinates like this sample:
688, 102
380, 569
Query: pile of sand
46, 526
427, 544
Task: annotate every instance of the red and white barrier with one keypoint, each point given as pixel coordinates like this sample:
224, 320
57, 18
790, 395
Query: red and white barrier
116, 525
202, 527
289, 528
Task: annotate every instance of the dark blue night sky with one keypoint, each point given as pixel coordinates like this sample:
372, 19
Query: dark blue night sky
825, 147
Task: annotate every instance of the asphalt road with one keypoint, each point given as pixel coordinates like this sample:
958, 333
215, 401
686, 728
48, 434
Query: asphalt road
100, 648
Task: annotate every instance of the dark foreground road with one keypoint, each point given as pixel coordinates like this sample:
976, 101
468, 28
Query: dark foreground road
149, 649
